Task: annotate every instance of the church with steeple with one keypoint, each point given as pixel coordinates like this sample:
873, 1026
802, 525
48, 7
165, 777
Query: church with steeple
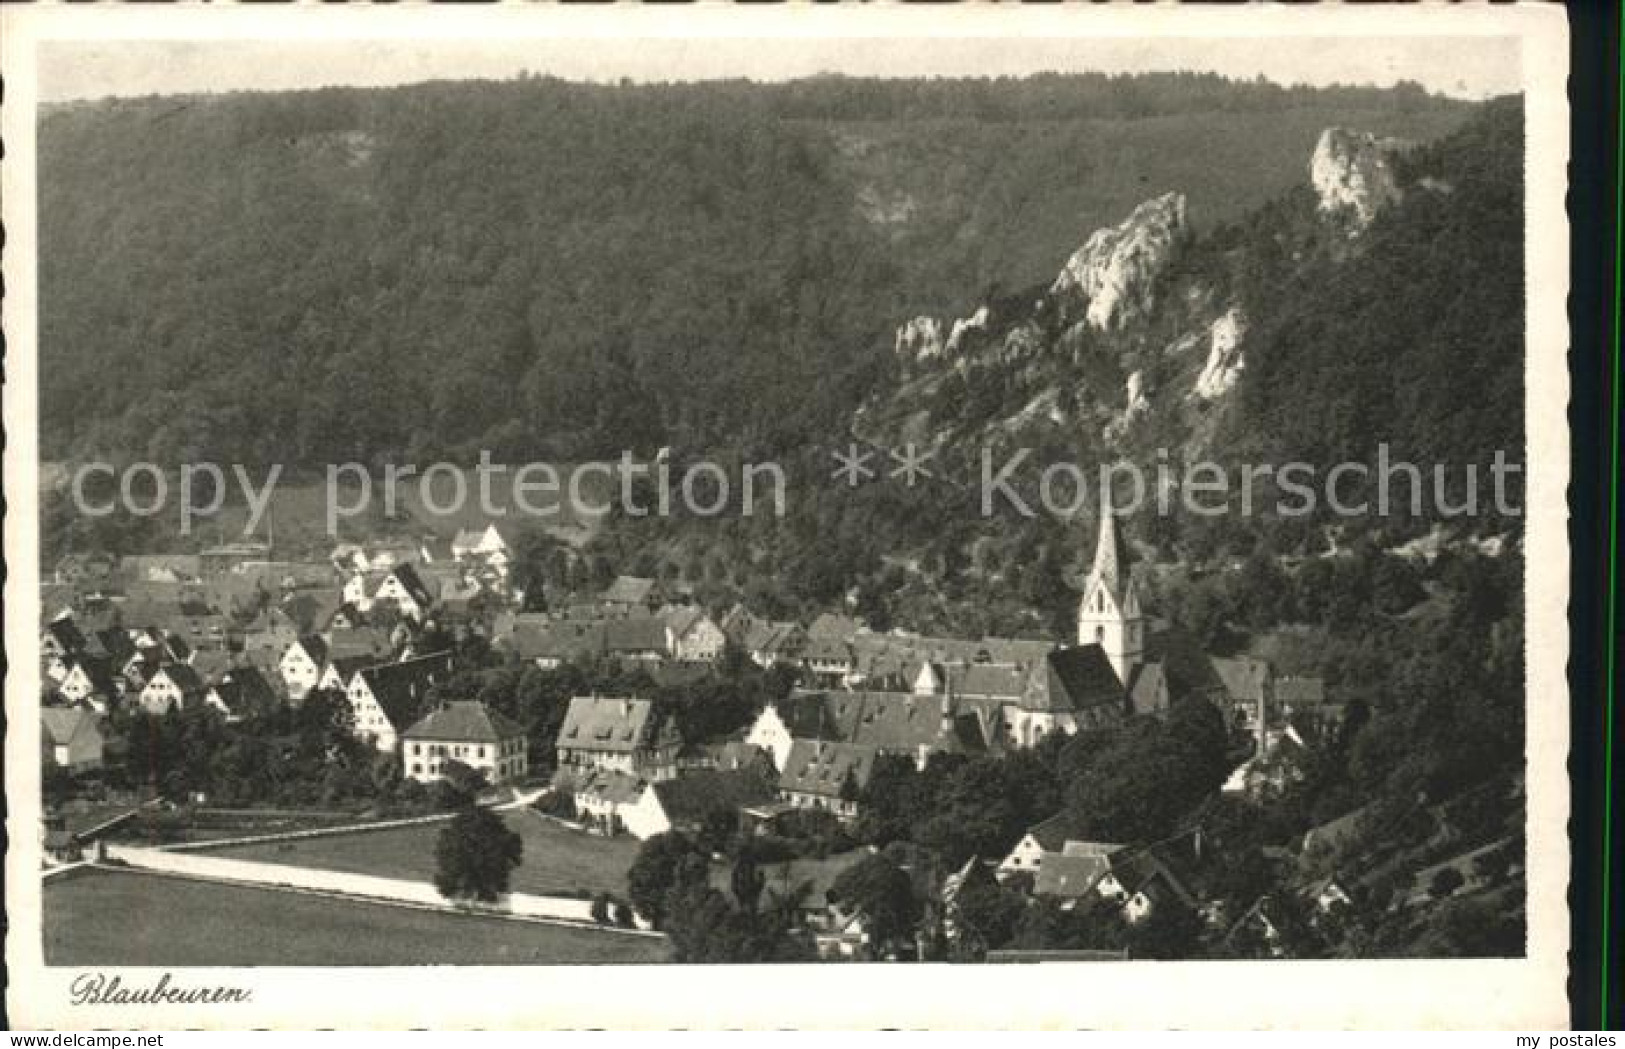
1110, 614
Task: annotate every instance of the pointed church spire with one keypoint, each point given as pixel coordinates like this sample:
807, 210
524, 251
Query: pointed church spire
1109, 615
1111, 559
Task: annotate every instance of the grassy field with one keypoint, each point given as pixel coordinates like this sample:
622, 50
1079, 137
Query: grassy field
557, 861
126, 918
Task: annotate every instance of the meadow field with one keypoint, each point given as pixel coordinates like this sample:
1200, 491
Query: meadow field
557, 861
108, 917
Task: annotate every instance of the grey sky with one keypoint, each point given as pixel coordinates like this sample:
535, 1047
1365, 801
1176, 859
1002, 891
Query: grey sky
1472, 67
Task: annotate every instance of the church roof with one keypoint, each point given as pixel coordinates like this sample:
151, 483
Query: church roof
1147, 688
1112, 563
1074, 679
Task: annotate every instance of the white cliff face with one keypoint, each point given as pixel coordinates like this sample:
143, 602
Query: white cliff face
919, 339
1224, 359
1115, 268
1136, 404
1352, 173
963, 327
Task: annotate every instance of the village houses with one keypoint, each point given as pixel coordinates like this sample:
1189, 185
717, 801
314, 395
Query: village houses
467, 732
618, 734
70, 739
388, 698
174, 686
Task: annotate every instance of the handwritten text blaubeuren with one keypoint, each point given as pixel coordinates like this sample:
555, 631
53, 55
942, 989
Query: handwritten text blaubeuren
95, 988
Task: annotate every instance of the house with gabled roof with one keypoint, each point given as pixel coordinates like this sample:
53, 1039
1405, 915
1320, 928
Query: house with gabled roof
1249, 688
686, 802
61, 637
273, 629
643, 637
340, 670
172, 686
388, 698
629, 594
1041, 842
826, 776
599, 795
360, 586
1140, 881
485, 740
901, 723
482, 544
768, 642
210, 663
90, 679
302, 664
834, 626
402, 587
71, 739
693, 636
243, 693
1075, 872
828, 659
620, 734
550, 643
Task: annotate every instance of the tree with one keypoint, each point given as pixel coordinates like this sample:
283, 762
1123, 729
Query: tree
468, 782
747, 880
1170, 931
665, 863
1469, 928
1046, 924
58, 785
882, 895
1134, 784
987, 913
475, 856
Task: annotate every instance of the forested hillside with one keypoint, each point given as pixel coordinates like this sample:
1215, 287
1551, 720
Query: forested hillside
1408, 332
549, 270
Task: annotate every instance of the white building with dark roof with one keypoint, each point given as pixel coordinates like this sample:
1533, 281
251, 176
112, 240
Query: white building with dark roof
469, 732
618, 734
387, 698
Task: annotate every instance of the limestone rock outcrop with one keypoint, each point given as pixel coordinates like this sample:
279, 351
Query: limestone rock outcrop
1224, 358
1353, 174
1116, 268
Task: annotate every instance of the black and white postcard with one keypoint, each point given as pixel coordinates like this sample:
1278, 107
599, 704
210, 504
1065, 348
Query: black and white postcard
968, 516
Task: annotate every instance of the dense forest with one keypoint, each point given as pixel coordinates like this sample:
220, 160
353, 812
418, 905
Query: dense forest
550, 270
